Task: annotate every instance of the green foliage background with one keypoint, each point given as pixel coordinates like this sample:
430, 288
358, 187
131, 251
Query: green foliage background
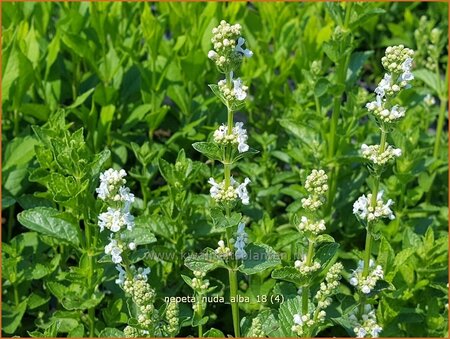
135, 77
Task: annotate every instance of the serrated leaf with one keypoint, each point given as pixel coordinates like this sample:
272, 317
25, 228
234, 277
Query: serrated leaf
221, 222
291, 274
260, 257
209, 149
204, 262
50, 221
110, 332
12, 316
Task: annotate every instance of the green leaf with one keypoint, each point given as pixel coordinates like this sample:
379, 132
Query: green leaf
167, 171
368, 14
291, 274
324, 238
429, 78
209, 149
204, 262
19, 152
110, 332
249, 153
35, 300
78, 332
50, 221
81, 99
326, 253
214, 333
321, 87
286, 313
221, 222
12, 316
137, 116
141, 234
260, 257
357, 61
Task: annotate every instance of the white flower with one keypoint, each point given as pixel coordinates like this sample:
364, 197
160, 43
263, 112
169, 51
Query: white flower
115, 220
212, 55
246, 52
365, 289
241, 137
298, 319
115, 251
132, 246
238, 136
361, 333
373, 154
242, 191
353, 281
110, 181
365, 211
238, 89
384, 85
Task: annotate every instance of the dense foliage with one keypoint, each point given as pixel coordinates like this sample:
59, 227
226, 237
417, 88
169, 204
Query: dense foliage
92, 86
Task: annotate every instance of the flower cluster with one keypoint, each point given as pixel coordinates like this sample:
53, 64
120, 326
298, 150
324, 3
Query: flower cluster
234, 91
237, 137
256, 330
398, 60
304, 268
172, 313
115, 220
228, 46
330, 286
364, 209
317, 187
366, 284
367, 327
231, 193
133, 332
198, 284
141, 292
241, 241
112, 188
384, 114
117, 217
313, 227
223, 251
301, 322
378, 157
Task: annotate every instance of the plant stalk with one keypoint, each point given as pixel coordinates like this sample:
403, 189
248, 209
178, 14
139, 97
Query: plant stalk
232, 274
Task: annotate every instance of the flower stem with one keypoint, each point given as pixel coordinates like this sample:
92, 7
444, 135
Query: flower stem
232, 274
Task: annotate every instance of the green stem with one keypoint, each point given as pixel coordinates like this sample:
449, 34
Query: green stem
232, 274
91, 322
200, 331
439, 128
16, 295
16, 123
367, 251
